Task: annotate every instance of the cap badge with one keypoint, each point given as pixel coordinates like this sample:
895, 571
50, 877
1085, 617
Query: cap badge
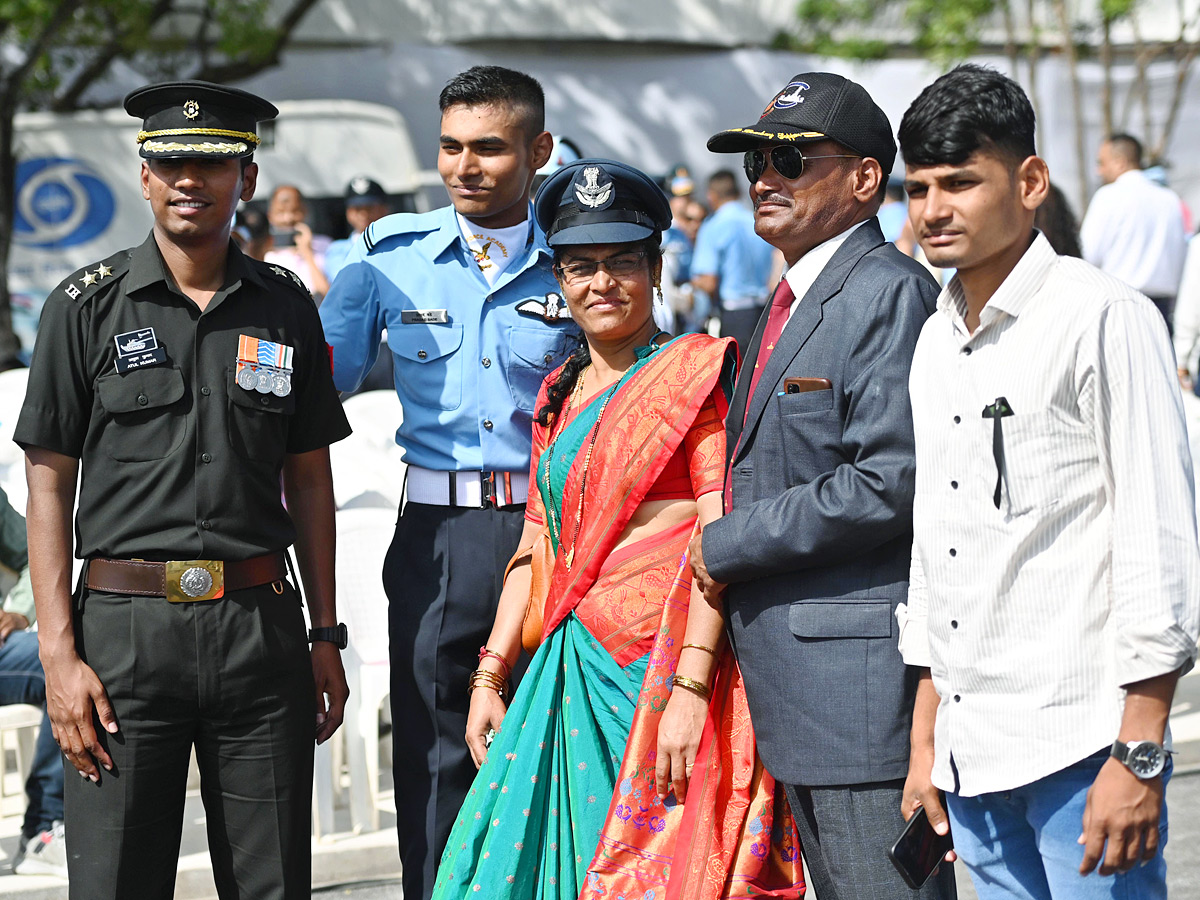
360, 185
591, 193
790, 96
191, 109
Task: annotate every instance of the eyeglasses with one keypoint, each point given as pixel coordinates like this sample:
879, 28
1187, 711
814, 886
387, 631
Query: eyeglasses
619, 265
786, 158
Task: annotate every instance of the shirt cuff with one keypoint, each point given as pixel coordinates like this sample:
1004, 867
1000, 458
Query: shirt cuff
914, 638
1154, 647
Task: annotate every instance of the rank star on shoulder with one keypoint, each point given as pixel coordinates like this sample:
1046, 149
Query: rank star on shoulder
280, 271
88, 279
104, 271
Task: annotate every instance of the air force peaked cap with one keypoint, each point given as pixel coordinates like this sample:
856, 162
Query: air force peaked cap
197, 119
817, 106
600, 201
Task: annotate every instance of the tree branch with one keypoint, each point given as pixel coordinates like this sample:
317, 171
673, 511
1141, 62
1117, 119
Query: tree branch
58, 20
237, 69
68, 99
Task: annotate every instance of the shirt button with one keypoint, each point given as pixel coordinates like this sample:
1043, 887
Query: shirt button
958, 698
954, 623
206, 525
549, 358
264, 400
421, 354
953, 552
954, 484
487, 363
488, 298
966, 351
487, 423
206, 457
142, 401
206, 390
957, 419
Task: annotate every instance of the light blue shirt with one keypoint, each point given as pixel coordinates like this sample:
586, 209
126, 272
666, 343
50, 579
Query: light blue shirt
728, 248
336, 255
468, 375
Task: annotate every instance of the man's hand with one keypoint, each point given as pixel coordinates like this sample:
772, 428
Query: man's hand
919, 791
1122, 812
712, 590
74, 698
10, 622
330, 680
486, 714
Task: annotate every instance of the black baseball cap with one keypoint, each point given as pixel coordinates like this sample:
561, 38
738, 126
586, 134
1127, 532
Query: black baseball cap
600, 201
364, 191
197, 119
817, 106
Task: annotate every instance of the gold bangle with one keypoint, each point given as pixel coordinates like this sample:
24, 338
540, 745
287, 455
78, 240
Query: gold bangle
484, 678
699, 647
691, 684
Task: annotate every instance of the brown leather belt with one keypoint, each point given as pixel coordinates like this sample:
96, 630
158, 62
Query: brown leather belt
183, 581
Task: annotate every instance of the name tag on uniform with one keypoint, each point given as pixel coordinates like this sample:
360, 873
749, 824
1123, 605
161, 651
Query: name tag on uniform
138, 349
423, 317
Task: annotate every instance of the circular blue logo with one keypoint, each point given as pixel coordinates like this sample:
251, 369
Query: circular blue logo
60, 203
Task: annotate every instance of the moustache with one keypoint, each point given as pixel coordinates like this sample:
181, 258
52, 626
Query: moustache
771, 197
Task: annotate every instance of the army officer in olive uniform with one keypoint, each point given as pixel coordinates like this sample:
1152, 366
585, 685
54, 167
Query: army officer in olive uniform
186, 379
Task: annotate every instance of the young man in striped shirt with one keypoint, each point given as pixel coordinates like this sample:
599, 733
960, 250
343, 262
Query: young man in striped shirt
1055, 591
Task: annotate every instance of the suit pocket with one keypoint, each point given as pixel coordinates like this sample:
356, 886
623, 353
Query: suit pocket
841, 619
805, 402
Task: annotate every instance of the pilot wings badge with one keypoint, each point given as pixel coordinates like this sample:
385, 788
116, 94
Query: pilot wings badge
552, 309
590, 191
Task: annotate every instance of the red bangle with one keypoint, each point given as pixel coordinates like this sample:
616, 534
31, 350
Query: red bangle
485, 653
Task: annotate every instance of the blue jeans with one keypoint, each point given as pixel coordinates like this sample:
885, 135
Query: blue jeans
1023, 844
22, 681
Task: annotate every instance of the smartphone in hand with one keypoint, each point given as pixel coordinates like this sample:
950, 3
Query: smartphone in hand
919, 850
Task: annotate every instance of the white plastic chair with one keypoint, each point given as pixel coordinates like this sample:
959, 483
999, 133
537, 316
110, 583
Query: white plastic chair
12, 459
363, 536
20, 722
367, 469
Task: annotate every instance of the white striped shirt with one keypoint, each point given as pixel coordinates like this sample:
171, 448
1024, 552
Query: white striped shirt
1087, 577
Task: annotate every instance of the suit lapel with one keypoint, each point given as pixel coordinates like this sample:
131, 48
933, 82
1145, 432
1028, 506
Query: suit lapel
737, 406
804, 322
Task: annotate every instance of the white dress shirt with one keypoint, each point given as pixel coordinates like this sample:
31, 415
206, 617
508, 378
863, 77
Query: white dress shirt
1134, 231
1032, 615
801, 276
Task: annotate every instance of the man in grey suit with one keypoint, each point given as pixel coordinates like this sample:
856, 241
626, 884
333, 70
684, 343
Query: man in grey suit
816, 538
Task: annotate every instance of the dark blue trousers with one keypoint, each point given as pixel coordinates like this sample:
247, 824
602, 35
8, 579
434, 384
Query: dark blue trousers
22, 681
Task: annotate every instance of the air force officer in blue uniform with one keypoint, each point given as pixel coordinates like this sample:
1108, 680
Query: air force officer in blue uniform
474, 322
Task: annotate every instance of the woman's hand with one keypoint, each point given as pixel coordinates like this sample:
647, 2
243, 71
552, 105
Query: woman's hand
486, 714
679, 732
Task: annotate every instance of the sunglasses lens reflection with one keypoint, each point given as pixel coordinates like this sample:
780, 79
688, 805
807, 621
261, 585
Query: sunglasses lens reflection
788, 161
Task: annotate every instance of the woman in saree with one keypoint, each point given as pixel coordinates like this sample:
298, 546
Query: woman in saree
625, 766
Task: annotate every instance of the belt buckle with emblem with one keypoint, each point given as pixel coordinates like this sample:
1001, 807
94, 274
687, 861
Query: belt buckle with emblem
193, 580
264, 366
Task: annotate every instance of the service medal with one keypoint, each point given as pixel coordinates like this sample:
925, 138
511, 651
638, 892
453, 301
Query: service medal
281, 385
246, 378
262, 382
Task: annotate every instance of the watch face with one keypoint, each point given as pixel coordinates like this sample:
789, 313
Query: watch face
1146, 759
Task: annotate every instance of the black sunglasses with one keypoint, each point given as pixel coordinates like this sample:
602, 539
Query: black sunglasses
786, 158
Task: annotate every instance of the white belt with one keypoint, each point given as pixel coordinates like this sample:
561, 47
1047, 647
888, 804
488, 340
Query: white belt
472, 489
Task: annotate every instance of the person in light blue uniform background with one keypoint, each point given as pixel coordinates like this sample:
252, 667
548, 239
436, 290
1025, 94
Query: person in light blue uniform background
474, 321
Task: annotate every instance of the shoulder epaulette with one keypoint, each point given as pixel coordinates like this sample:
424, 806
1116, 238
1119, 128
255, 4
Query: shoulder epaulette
400, 223
91, 279
278, 273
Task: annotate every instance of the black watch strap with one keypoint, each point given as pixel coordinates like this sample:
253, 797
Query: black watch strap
338, 635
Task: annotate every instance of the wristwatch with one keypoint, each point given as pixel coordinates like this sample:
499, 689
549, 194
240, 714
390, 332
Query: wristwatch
339, 635
1145, 759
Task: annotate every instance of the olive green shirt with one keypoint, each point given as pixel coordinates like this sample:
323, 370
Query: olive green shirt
178, 461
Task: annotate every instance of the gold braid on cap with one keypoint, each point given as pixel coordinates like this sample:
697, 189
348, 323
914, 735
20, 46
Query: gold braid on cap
214, 132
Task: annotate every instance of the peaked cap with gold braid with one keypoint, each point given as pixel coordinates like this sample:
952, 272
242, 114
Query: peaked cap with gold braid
197, 119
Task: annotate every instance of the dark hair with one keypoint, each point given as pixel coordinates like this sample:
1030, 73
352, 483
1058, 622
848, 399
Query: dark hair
496, 85
723, 183
1056, 220
1127, 147
560, 389
970, 108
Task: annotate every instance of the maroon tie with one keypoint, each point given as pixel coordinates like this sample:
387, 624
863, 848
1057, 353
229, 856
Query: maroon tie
781, 308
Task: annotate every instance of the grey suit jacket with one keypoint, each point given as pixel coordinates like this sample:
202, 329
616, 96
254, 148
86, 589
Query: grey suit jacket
817, 544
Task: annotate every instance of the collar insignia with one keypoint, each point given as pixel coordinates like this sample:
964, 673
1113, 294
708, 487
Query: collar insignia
590, 192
